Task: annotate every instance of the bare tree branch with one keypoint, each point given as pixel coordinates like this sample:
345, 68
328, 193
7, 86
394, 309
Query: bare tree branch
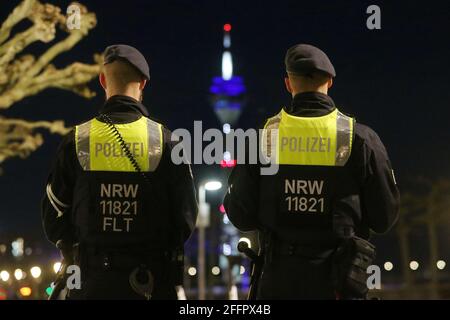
21, 12
17, 138
23, 75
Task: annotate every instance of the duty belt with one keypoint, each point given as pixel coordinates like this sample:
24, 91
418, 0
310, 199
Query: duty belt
110, 260
303, 250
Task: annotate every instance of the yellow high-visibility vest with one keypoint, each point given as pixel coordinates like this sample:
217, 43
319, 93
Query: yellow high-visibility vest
319, 141
98, 149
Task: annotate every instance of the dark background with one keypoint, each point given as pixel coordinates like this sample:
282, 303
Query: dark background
394, 79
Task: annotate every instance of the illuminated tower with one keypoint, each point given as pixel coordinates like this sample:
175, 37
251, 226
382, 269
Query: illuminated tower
228, 90
227, 99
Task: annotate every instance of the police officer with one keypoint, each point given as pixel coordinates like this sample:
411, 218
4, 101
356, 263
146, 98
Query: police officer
114, 191
334, 181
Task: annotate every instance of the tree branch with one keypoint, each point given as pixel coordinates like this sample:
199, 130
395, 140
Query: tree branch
17, 138
22, 76
88, 22
72, 78
21, 12
17, 82
54, 127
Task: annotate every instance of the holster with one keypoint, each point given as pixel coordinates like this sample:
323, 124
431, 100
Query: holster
350, 262
69, 253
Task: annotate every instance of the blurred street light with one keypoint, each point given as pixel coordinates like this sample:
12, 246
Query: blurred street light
56, 266
4, 275
414, 265
226, 249
213, 185
242, 270
35, 272
202, 223
215, 270
25, 291
17, 247
388, 266
18, 274
440, 264
192, 271
226, 128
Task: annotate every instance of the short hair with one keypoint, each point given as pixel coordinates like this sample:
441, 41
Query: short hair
121, 73
312, 79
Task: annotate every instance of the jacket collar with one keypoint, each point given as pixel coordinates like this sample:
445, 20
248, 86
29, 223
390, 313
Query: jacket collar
119, 103
310, 104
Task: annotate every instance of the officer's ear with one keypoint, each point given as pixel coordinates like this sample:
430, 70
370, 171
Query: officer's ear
330, 82
287, 82
142, 84
102, 80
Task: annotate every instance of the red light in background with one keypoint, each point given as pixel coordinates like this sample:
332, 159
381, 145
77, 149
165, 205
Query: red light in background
222, 209
228, 163
3, 295
227, 27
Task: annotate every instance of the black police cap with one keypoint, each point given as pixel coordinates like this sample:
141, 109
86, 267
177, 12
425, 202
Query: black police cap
303, 59
130, 54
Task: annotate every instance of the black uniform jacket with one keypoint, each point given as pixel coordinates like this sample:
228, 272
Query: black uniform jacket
364, 188
174, 188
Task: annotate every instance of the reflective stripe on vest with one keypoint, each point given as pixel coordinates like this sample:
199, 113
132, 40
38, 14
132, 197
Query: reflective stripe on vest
98, 149
321, 141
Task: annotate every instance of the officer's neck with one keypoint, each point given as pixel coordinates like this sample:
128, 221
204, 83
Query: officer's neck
136, 94
318, 90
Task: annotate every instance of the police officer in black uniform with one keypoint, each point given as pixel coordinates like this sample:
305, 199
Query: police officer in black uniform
115, 196
334, 181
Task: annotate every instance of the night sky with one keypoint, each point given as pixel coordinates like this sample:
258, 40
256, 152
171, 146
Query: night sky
395, 80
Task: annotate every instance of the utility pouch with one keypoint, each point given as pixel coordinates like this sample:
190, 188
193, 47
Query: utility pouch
350, 263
